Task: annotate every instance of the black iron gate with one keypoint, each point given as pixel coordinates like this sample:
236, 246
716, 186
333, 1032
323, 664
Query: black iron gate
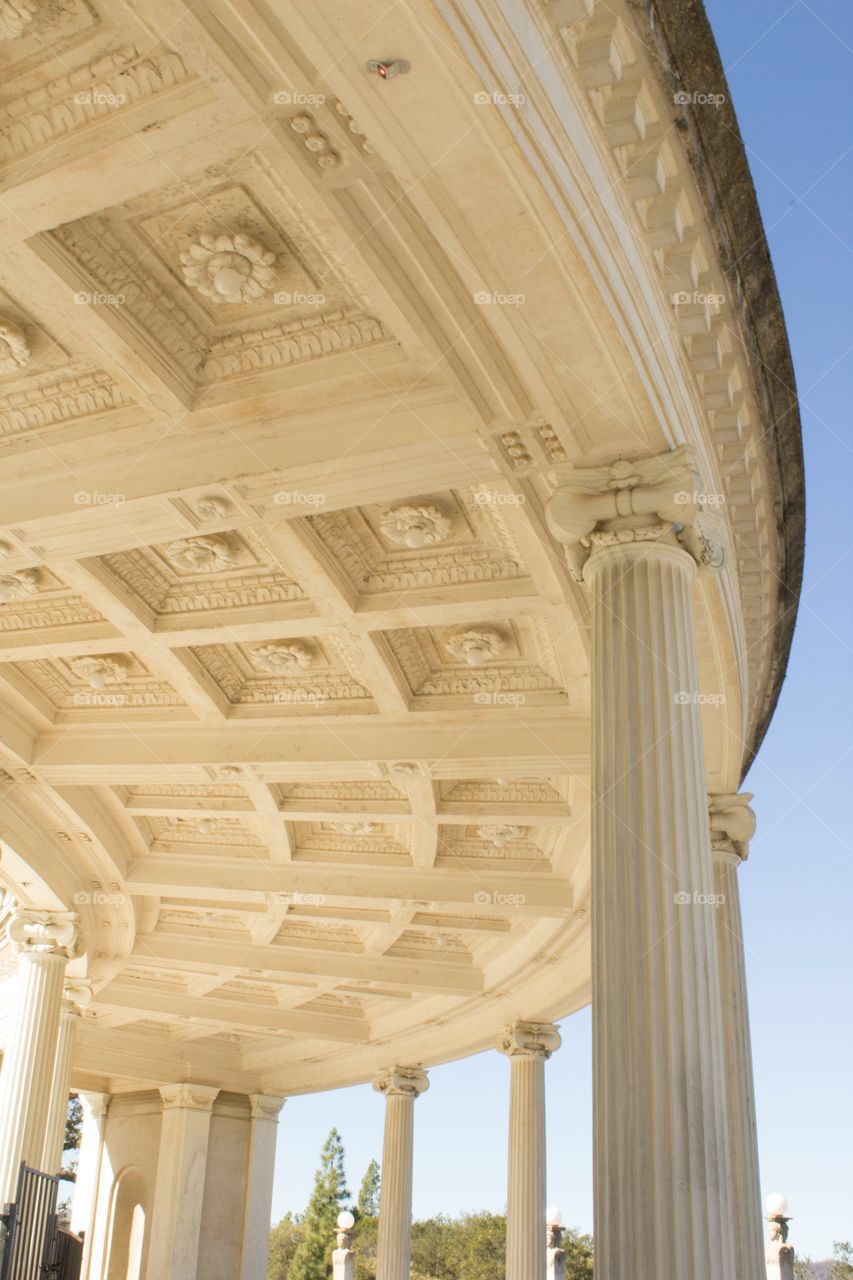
35, 1248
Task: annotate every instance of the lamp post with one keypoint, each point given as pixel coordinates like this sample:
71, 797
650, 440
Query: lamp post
343, 1258
555, 1254
779, 1255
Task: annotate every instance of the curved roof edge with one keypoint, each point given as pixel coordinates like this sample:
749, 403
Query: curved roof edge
690, 61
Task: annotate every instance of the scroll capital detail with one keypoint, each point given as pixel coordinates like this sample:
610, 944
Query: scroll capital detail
33, 932
265, 1106
648, 500
732, 825
405, 1082
529, 1039
188, 1097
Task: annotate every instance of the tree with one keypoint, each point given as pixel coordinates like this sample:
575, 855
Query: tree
284, 1241
368, 1193
312, 1259
73, 1134
842, 1260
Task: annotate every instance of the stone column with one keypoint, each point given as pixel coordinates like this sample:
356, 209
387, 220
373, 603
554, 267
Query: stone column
76, 995
44, 941
732, 827
528, 1045
259, 1184
400, 1085
85, 1202
179, 1186
663, 1208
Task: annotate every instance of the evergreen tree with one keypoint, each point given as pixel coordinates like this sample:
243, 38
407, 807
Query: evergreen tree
313, 1257
368, 1194
284, 1241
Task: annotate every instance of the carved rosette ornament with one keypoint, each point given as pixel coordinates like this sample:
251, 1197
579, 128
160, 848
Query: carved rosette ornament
43, 932
476, 645
415, 526
18, 585
732, 825
101, 670
204, 553
529, 1039
405, 1082
285, 658
354, 828
499, 836
649, 500
229, 268
14, 351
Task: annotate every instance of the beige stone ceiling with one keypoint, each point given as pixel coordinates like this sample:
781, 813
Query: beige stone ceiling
240, 727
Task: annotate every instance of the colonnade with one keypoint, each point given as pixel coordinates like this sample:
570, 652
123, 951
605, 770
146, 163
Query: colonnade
675, 1160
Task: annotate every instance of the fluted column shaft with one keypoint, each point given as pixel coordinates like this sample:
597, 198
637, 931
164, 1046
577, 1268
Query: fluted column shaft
43, 941
743, 1135
401, 1086
527, 1045
84, 1204
76, 993
663, 1207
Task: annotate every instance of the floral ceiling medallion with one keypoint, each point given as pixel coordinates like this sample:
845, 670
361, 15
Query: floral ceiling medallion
205, 553
279, 658
415, 526
229, 268
18, 585
476, 645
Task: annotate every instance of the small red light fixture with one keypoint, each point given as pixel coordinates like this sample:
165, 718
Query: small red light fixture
388, 68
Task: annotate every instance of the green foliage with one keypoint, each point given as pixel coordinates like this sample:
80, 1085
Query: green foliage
368, 1193
73, 1124
471, 1247
842, 1260
312, 1259
285, 1238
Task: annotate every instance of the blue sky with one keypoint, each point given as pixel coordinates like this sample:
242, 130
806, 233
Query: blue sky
790, 70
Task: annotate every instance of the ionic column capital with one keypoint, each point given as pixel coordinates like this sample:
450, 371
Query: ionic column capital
529, 1040
732, 826
657, 499
33, 932
406, 1082
265, 1106
188, 1097
76, 995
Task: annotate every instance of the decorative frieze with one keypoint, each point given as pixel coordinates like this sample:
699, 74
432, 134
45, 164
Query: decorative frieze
59, 401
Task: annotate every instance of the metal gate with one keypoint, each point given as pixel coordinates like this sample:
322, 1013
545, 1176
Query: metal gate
35, 1249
